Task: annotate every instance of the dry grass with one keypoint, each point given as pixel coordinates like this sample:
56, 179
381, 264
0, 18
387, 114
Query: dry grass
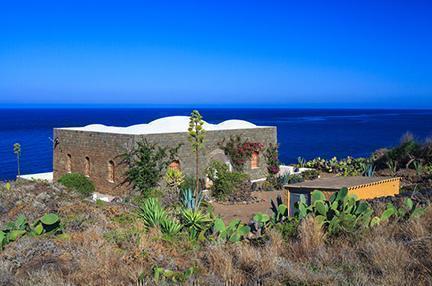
107, 245
310, 242
241, 264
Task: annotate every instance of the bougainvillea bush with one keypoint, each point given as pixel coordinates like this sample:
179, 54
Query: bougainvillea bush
239, 151
271, 155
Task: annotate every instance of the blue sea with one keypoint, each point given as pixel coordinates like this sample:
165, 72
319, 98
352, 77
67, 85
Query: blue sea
301, 132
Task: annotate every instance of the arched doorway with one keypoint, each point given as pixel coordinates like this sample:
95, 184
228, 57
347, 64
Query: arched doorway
219, 155
69, 163
175, 165
87, 166
255, 160
111, 171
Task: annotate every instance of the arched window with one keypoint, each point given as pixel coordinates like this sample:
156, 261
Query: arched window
175, 165
69, 163
111, 171
87, 166
255, 160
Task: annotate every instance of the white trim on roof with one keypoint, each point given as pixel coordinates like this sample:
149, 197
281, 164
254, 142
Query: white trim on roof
171, 124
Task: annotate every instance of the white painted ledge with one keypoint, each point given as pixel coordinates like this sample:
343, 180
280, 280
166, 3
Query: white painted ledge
40, 176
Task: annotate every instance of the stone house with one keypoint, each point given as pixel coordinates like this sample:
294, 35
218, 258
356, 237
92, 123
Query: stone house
94, 150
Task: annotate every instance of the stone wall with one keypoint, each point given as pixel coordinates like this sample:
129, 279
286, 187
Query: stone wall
101, 148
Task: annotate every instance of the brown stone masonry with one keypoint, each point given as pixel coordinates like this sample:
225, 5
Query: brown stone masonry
96, 154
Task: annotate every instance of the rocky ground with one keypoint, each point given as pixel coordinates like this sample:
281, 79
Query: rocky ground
244, 210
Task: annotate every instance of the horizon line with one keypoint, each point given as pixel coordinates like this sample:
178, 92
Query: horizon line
197, 106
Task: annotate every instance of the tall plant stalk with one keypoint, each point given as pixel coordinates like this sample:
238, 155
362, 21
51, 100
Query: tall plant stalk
196, 137
17, 151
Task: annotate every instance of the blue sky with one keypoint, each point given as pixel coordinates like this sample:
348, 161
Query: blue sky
260, 53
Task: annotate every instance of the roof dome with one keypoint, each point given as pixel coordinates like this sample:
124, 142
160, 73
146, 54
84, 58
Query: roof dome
170, 124
236, 124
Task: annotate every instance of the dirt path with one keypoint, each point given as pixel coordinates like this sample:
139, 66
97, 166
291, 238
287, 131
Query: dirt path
244, 212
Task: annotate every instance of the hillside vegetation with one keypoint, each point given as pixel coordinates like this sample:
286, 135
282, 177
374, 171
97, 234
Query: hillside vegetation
115, 244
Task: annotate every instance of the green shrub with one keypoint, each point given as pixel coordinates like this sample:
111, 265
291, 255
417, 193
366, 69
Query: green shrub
283, 180
410, 153
310, 174
348, 166
406, 152
406, 211
78, 182
188, 182
122, 237
289, 228
138, 199
161, 274
224, 181
147, 164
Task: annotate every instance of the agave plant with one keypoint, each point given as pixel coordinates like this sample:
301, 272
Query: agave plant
418, 166
154, 215
189, 201
195, 221
301, 162
152, 212
393, 166
174, 178
170, 227
368, 169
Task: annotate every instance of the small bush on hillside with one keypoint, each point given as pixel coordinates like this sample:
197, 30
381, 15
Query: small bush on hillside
285, 179
348, 166
224, 181
171, 191
410, 153
138, 198
78, 182
407, 151
310, 174
189, 182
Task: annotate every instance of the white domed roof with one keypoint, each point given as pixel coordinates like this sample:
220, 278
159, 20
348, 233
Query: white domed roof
171, 124
236, 124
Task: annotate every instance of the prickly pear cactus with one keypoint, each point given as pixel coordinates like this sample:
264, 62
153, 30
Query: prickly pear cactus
342, 212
